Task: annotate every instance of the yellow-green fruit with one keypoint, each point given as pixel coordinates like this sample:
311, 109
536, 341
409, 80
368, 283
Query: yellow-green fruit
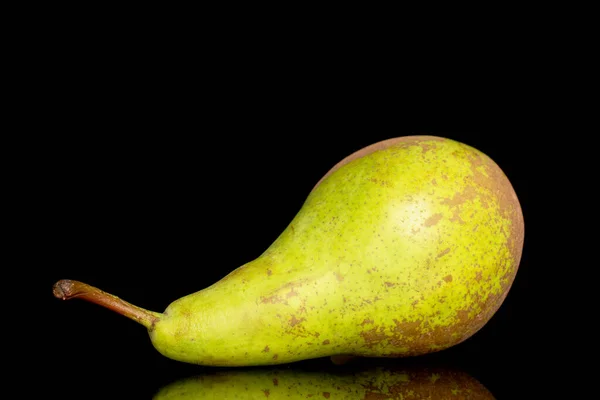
406, 247
372, 383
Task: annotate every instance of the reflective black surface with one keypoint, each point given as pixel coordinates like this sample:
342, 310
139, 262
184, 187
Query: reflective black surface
131, 375
363, 381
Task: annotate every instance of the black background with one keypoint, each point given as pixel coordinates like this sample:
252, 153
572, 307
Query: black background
162, 172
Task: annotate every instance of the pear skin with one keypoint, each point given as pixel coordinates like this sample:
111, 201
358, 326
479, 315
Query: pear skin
406, 247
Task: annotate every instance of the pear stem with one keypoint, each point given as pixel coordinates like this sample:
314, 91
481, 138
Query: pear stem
68, 289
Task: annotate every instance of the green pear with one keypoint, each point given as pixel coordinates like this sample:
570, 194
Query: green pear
406, 247
368, 383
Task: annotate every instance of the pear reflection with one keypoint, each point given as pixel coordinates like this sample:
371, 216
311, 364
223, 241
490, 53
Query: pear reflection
368, 383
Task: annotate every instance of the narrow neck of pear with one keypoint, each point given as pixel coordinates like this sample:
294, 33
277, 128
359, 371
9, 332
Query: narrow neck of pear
68, 289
